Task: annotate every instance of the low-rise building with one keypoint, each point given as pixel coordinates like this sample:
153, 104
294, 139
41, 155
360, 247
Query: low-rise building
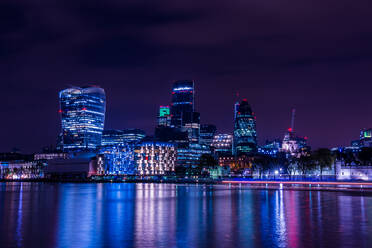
155, 158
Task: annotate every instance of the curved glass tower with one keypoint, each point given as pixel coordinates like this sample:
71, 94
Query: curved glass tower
245, 136
83, 116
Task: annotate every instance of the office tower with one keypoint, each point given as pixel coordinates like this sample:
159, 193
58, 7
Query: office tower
83, 116
189, 155
155, 158
207, 133
192, 128
245, 137
222, 145
112, 137
182, 106
133, 135
182, 111
164, 117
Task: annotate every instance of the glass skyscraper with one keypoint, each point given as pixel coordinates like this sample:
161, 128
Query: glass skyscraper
245, 136
182, 103
83, 116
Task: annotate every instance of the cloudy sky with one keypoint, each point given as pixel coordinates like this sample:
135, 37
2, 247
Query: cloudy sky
315, 56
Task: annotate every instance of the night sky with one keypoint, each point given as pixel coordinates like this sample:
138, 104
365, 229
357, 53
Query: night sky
313, 55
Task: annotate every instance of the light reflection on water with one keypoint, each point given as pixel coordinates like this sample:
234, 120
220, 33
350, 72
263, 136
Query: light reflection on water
166, 215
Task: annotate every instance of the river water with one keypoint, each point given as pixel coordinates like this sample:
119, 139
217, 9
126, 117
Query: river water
169, 215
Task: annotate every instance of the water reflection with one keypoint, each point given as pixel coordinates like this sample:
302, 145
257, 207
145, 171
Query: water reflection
164, 215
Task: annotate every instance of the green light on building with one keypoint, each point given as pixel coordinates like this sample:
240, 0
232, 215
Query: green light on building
164, 111
367, 134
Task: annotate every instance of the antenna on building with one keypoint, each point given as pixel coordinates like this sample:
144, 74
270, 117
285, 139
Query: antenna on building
293, 119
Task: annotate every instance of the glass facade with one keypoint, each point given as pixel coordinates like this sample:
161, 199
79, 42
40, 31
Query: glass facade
270, 148
245, 136
222, 145
112, 138
83, 116
119, 160
133, 135
189, 156
207, 133
182, 103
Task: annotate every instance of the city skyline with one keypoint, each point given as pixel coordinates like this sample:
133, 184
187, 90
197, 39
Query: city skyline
313, 58
150, 127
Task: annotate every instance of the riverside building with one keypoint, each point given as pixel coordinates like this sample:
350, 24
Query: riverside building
155, 158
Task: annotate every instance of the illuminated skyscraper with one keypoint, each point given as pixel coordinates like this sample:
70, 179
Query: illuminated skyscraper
183, 116
182, 103
245, 136
83, 116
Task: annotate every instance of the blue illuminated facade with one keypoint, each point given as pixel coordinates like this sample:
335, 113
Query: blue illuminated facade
83, 116
245, 136
270, 148
119, 160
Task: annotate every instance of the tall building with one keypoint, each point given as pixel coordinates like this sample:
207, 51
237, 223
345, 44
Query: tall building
182, 111
193, 128
182, 106
207, 133
164, 117
222, 145
133, 135
112, 137
83, 116
245, 136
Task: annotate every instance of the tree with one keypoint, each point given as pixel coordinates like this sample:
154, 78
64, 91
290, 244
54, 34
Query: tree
261, 163
305, 163
323, 158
